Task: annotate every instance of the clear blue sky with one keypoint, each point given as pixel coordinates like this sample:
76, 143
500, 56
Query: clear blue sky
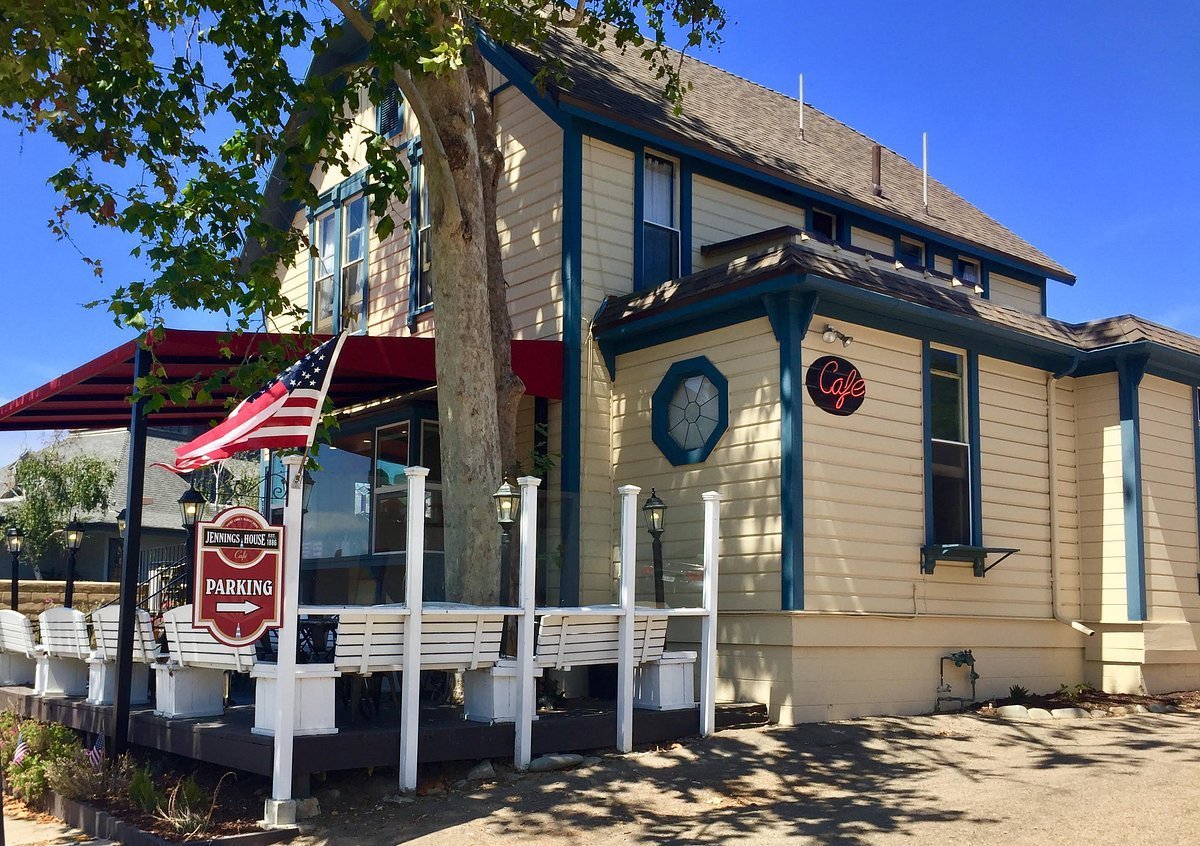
1076, 124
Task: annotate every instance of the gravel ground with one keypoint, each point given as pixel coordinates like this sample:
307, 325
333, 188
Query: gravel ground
946, 779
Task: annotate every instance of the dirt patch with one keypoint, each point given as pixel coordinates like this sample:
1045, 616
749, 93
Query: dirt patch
1090, 699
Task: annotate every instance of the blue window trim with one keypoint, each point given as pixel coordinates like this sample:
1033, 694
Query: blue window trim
899, 237
790, 315
572, 273
685, 217
334, 200
415, 307
1130, 370
661, 400
974, 449
639, 217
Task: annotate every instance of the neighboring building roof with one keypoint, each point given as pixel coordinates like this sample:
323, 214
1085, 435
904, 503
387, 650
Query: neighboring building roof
856, 269
746, 123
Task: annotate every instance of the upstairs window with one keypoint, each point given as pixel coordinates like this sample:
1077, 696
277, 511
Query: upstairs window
338, 268
949, 472
389, 112
660, 230
910, 252
968, 272
824, 224
420, 277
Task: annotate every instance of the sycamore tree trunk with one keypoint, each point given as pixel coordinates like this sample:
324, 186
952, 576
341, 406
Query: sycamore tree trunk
466, 374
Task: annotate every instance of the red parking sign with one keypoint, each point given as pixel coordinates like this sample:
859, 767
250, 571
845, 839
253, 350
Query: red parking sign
238, 588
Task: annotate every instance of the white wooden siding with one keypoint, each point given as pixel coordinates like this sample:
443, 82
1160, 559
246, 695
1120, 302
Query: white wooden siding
867, 240
744, 466
607, 219
864, 484
1101, 499
1169, 500
721, 212
1014, 293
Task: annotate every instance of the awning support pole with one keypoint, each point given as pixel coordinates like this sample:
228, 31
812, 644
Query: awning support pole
414, 582
526, 693
629, 519
134, 491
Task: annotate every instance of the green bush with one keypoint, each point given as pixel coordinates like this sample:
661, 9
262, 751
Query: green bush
1018, 694
76, 778
48, 742
142, 791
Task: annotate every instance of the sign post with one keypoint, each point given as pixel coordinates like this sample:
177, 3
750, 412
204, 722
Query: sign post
280, 809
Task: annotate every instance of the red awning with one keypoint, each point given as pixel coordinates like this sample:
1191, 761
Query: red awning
96, 394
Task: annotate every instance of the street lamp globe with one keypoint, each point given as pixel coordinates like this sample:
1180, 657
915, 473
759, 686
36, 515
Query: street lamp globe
73, 535
508, 503
656, 514
191, 507
122, 522
14, 539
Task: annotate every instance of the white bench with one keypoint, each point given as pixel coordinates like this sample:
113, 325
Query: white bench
192, 681
63, 653
102, 674
18, 651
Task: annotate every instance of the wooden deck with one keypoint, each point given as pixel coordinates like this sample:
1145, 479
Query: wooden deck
445, 736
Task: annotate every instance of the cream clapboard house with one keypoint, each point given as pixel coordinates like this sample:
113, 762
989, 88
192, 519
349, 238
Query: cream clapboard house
1005, 484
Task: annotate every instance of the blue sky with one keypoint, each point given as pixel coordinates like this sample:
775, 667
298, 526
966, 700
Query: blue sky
1075, 124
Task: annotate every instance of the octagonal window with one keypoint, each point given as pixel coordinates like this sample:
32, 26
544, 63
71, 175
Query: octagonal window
690, 411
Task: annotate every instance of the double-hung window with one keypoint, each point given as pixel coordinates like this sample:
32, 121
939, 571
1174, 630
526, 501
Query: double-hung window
660, 228
338, 268
420, 277
911, 253
950, 467
968, 272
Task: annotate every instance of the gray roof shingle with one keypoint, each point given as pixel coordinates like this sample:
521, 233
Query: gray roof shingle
747, 123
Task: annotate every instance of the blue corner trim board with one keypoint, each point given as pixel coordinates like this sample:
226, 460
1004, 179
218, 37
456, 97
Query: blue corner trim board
639, 223
975, 449
685, 218
1129, 377
790, 316
572, 270
661, 400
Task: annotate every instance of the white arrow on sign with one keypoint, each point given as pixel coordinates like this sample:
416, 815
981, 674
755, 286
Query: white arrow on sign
243, 607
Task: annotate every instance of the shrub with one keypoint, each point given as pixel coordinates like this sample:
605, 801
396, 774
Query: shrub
142, 791
1018, 694
76, 778
48, 742
188, 810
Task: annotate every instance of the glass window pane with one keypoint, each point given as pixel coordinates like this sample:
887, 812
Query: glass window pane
389, 487
352, 297
659, 188
824, 224
355, 215
951, 494
692, 414
946, 407
660, 255
337, 523
323, 305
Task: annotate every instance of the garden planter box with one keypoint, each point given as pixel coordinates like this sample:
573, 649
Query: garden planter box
102, 824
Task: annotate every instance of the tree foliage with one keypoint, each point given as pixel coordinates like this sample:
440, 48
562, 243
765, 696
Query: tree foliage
177, 112
53, 488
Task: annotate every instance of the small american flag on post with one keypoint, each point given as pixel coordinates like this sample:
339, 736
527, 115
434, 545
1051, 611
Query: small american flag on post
283, 415
96, 754
22, 749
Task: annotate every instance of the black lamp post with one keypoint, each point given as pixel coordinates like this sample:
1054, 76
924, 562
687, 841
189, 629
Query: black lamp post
191, 509
508, 503
14, 539
73, 539
656, 520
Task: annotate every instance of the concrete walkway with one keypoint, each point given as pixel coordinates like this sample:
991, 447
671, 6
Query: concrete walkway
21, 831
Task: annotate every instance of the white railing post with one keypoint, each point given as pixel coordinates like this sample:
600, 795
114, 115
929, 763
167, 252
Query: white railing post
526, 690
414, 585
708, 624
629, 506
280, 808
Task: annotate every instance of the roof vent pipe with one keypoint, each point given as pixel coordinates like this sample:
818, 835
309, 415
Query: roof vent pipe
801, 107
925, 171
876, 168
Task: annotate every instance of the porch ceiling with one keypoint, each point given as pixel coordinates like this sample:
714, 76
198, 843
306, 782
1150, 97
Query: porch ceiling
96, 394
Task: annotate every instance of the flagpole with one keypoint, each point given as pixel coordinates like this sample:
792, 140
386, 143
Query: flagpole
280, 809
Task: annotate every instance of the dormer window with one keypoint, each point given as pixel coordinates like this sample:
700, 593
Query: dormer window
911, 253
824, 224
660, 230
968, 272
389, 112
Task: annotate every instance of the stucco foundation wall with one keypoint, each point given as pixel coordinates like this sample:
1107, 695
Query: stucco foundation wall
813, 667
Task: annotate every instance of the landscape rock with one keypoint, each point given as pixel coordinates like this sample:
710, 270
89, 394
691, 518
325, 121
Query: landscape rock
1118, 711
398, 799
1070, 714
591, 760
308, 808
547, 763
1013, 712
482, 770
1040, 714
1099, 712
1159, 708
1140, 709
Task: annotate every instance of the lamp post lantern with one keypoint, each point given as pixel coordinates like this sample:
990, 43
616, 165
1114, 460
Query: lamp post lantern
14, 539
655, 511
508, 503
192, 506
73, 539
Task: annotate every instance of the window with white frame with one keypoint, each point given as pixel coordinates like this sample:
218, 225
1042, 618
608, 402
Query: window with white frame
824, 224
950, 468
910, 252
660, 229
338, 265
968, 272
421, 254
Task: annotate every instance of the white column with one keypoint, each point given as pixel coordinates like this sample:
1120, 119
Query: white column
285, 669
526, 690
414, 585
629, 509
708, 624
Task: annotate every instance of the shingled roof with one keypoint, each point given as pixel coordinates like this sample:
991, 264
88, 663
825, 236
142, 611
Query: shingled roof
747, 123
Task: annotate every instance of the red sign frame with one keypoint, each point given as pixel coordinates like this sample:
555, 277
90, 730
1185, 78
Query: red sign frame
237, 594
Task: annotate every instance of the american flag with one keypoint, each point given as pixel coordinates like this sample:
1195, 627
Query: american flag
22, 749
283, 415
96, 753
